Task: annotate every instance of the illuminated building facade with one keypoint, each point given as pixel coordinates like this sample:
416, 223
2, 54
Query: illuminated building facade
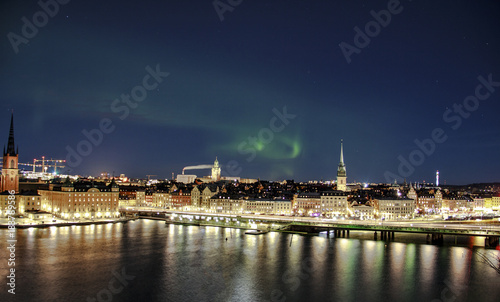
140, 198
495, 203
395, 208
161, 200
24, 203
229, 204
200, 196
148, 199
307, 203
259, 206
128, 196
454, 203
282, 207
196, 198
429, 201
363, 211
268, 206
479, 203
334, 203
180, 200
226, 204
81, 200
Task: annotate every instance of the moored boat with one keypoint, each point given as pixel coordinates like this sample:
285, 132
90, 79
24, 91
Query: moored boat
255, 232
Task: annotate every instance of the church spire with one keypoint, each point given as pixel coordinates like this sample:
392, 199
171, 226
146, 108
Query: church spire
10, 173
341, 170
10, 144
342, 151
341, 173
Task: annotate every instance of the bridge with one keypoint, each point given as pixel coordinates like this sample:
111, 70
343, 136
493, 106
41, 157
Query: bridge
435, 234
435, 230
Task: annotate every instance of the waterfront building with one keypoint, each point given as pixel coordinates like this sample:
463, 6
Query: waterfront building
341, 171
334, 203
128, 196
180, 200
148, 198
200, 196
394, 208
479, 202
259, 206
24, 202
161, 200
307, 204
430, 201
455, 203
220, 202
224, 203
28, 201
495, 203
488, 203
268, 206
83, 199
282, 207
363, 211
196, 199
140, 196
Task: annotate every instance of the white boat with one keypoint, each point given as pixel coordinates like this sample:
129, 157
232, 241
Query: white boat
255, 232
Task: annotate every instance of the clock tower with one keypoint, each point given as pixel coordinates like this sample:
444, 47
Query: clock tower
10, 172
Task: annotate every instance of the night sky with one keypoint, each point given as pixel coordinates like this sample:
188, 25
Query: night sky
270, 89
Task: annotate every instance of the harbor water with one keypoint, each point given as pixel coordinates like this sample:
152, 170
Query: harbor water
148, 260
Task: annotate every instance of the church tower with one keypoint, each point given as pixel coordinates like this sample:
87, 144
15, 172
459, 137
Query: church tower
216, 171
341, 173
10, 172
412, 194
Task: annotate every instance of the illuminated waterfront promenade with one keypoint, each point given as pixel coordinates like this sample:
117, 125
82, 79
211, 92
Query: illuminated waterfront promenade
23, 223
435, 230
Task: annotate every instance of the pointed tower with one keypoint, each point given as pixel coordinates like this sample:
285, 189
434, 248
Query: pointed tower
216, 170
412, 194
10, 172
341, 173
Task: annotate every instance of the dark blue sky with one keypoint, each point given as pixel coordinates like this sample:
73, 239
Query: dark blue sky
226, 78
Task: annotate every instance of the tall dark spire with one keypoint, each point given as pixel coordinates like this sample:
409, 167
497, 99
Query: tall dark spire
11, 150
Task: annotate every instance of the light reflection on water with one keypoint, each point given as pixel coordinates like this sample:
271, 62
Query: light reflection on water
189, 263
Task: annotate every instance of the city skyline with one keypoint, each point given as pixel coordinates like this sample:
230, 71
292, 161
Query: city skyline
52, 164
271, 88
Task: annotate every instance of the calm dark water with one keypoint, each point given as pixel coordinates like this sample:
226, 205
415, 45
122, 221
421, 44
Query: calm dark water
150, 261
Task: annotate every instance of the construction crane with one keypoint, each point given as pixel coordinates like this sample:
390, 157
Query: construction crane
149, 176
45, 164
